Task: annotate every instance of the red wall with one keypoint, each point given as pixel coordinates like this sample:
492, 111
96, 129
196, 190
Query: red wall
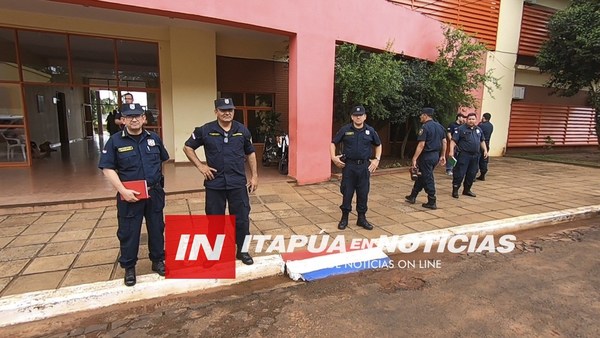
314, 27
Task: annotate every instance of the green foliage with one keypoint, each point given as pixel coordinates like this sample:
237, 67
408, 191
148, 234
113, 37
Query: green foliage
269, 121
458, 70
415, 94
571, 55
395, 90
368, 79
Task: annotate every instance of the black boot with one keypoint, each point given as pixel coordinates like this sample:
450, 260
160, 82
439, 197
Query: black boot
455, 192
481, 177
344, 221
129, 278
412, 199
430, 203
362, 221
467, 191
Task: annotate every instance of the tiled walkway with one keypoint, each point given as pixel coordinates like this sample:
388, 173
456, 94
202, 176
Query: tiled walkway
52, 249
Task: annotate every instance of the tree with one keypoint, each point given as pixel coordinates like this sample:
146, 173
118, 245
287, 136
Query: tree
456, 72
571, 55
368, 79
414, 95
394, 89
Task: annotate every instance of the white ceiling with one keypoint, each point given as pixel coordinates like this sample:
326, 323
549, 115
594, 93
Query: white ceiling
86, 12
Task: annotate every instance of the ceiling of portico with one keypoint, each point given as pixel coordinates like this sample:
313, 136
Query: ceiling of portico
116, 16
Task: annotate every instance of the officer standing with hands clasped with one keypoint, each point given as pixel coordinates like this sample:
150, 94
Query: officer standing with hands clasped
226, 144
487, 128
130, 155
358, 139
430, 151
469, 139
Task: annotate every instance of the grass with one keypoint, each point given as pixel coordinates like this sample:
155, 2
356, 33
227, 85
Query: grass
587, 159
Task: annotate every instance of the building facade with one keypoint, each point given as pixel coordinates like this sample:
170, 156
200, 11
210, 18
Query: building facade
65, 62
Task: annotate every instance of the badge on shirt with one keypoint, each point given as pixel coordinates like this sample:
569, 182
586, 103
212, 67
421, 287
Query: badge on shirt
151, 142
124, 149
367, 132
477, 131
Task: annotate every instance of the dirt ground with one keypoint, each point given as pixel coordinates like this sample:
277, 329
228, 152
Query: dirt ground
548, 286
590, 157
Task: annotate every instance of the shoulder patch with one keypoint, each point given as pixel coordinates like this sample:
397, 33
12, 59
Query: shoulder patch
124, 149
420, 131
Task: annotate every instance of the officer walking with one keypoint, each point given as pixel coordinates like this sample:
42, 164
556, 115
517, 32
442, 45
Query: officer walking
358, 139
487, 128
129, 155
226, 144
430, 151
469, 139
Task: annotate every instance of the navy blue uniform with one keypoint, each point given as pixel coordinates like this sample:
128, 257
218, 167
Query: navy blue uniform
451, 128
358, 147
138, 158
226, 152
433, 134
468, 140
487, 128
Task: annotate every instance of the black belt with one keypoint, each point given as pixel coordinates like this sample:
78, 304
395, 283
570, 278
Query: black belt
349, 160
469, 152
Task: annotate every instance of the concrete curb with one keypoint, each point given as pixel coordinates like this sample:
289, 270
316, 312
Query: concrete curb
45, 304
506, 225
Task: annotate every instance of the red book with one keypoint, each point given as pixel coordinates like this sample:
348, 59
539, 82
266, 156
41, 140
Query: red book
140, 186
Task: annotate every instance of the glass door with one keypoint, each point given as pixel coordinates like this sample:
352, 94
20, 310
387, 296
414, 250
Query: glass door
13, 137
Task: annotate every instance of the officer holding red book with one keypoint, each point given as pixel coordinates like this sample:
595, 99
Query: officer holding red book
136, 154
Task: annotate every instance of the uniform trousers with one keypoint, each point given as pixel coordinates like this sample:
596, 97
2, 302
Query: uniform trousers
427, 163
130, 226
355, 177
239, 206
483, 162
466, 168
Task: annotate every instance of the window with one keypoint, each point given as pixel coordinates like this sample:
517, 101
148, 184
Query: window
9, 70
251, 109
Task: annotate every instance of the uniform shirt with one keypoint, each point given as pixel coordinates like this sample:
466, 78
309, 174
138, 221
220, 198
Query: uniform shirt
468, 139
452, 127
133, 159
487, 128
433, 134
357, 142
225, 151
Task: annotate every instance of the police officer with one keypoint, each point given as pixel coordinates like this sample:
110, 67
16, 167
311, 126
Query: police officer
487, 128
128, 99
469, 139
430, 151
460, 120
358, 139
226, 144
129, 155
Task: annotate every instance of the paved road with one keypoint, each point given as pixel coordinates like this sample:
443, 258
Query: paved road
550, 286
